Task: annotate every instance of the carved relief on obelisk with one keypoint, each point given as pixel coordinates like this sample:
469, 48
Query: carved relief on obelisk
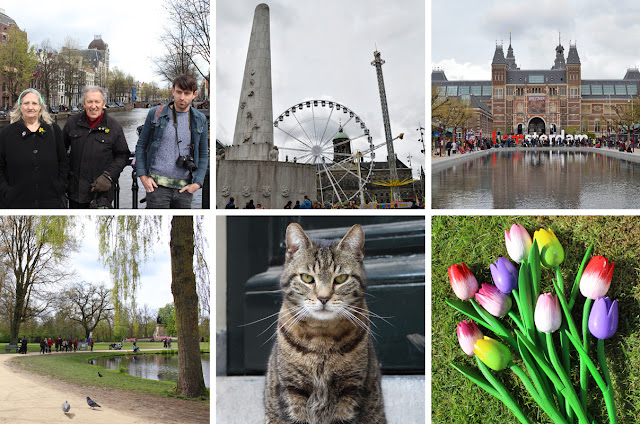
254, 121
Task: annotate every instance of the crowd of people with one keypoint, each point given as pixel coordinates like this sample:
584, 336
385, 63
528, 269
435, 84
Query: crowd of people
61, 345
457, 147
78, 166
311, 204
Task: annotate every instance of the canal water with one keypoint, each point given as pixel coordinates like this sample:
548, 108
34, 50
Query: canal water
151, 367
130, 120
557, 179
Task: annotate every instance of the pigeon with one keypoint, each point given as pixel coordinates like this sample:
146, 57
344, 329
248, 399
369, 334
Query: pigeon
99, 375
66, 407
92, 404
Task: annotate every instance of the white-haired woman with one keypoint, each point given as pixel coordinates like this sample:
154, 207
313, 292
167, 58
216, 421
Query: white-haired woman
33, 160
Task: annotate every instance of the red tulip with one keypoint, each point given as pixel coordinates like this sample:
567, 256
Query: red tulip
596, 278
463, 282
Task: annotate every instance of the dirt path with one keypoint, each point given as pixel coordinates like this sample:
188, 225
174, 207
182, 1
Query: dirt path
32, 398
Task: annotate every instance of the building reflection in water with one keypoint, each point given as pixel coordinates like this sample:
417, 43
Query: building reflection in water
538, 180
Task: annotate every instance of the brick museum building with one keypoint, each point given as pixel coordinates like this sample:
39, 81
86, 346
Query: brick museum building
543, 101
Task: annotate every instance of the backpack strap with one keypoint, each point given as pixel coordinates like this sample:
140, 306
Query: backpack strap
158, 113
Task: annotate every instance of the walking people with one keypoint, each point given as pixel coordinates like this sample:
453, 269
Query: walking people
23, 345
49, 344
43, 346
33, 159
172, 152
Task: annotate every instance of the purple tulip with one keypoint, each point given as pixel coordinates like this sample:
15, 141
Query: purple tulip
547, 316
505, 275
493, 300
468, 334
603, 319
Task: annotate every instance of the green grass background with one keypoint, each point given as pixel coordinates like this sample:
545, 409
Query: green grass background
478, 241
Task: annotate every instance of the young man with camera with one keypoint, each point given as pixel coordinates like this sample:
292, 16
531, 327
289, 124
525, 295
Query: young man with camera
172, 152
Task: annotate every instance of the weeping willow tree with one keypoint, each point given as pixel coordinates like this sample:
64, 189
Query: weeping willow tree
128, 241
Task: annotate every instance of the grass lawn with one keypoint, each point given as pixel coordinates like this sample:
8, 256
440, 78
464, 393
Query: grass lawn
478, 242
74, 368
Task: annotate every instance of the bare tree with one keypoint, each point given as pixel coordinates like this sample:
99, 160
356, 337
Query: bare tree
89, 304
194, 15
70, 64
179, 57
46, 75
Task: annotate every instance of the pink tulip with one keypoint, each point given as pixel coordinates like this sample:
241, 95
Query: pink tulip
463, 282
493, 300
547, 316
468, 334
596, 278
518, 242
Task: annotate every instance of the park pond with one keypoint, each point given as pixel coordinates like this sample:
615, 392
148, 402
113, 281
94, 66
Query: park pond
537, 179
150, 366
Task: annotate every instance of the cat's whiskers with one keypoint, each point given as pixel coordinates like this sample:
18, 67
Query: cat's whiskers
372, 314
290, 310
353, 318
296, 311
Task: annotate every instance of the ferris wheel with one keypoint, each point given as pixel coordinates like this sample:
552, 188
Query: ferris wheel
335, 139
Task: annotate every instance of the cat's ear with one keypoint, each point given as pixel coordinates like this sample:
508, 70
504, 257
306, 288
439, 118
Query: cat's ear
353, 241
296, 239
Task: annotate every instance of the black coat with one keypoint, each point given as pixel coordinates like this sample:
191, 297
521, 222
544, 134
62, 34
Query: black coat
33, 167
91, 152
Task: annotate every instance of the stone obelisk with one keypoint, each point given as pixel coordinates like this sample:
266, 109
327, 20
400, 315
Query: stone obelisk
249, 168
253, 136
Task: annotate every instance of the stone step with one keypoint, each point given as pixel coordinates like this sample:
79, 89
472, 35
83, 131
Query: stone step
239, 400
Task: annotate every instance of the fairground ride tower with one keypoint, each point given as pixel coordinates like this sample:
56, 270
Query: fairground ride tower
391, 156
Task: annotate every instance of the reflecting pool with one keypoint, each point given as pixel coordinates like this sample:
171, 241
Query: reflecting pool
562, 179
151, 367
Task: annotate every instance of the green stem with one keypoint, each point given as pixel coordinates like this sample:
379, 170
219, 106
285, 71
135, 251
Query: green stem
566, 362
505, 396
576, 283
516, 297
526, 302
495, 325
584, 374
608, 394
549, 408
515, 319
568, 391
534, 268
559, 284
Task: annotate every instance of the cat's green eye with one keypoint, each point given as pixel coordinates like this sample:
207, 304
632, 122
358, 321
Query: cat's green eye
340, 279
306, 278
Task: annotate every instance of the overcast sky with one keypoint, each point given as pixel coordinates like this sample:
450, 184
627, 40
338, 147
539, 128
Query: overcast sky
130, 28
464, 35
155, 274
323, 50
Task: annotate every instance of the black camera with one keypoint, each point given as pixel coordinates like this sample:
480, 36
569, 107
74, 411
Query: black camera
186, 161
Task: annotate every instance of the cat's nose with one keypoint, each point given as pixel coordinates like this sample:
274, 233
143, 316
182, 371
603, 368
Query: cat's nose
324, 299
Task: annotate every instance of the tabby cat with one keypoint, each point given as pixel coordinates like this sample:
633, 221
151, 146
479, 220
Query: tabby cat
323, 369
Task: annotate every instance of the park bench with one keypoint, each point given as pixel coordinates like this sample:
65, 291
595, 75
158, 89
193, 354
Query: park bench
9, 348
83, 345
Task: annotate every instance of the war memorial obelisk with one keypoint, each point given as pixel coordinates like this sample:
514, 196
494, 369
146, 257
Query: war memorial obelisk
250, 169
